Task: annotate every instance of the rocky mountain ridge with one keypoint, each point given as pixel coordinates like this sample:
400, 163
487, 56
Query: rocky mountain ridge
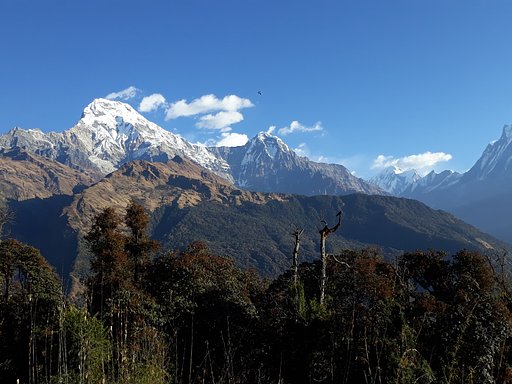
265, 163
111, 133
25, 175
394, 180
188, 203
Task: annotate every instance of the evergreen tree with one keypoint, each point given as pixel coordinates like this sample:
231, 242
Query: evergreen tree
111, 272
29, 314
139, 245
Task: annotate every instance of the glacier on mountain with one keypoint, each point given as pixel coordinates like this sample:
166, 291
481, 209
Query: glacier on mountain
395, 180
109, 134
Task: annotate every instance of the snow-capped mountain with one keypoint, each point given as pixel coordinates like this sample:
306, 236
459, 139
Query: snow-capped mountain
430, 182
109, 134
496, 160
394, 180
480, 196
491, 175
266, 164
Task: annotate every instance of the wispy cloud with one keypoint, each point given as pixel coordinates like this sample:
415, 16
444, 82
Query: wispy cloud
152, 103
232, 139
353, 162
221, 120
422, 162
302, 150
206, 104
125, 94
295, 126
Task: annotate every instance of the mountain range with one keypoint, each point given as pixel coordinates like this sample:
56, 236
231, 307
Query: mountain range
111, 133
244, 202
480, 196
188, 203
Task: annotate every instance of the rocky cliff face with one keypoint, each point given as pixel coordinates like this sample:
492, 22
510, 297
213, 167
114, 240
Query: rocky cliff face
24, 176
179, 182
266, 164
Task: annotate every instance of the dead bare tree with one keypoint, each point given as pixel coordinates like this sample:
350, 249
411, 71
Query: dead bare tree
295, 265
324, 233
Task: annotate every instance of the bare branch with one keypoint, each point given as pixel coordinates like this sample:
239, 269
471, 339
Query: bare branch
340, 262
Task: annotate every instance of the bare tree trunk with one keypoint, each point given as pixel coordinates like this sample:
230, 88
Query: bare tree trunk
295, 264
191, 349
323, 259
32, 341
324, 233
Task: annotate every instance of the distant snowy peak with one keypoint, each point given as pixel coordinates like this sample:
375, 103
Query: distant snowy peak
432, 181
269, 140
115, 133
266, 145
394, 180
496, 158
266, 164
263, 155
109, 134
108, 109
119, 119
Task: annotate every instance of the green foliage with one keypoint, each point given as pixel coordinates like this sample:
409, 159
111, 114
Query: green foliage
29, 312
463, 308
119, 298
258, 235
139, 246
88, 346
110, 262
298, 297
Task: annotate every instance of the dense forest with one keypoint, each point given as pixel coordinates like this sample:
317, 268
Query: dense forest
151, 315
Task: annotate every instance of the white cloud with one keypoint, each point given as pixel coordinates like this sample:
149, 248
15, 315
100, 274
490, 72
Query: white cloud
303, 150
125, 94
232, 139
295, 126
422, 162
221, 120
271, 129
152, 102
206, 104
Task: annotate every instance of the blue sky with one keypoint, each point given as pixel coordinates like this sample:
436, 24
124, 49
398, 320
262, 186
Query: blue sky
341, 81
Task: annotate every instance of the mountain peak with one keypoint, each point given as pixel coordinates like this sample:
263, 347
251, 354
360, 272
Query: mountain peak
496, 159
392, 170
105, 107
507, 133
272, 144
109, 134
395, 180
262, 136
